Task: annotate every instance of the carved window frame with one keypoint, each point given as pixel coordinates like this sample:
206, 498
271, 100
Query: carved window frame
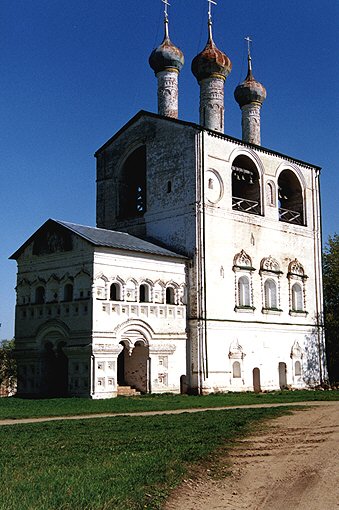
270, 274
243, 268
296, 357
297, 277
236, 355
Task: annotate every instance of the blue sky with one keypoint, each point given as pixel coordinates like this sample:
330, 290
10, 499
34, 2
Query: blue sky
74, 71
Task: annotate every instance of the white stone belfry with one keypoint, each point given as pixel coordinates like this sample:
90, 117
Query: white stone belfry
203, 273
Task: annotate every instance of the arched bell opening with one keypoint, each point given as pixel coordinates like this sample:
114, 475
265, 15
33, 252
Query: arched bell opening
245, 186
132, 196
290, 198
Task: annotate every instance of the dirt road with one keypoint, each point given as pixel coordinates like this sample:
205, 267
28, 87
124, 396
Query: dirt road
292, 465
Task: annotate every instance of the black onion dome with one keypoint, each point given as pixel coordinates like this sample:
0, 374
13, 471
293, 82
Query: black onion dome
211, 62
166, 56
250, 90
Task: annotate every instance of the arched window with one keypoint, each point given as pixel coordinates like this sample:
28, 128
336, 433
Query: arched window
39, 295
115, 292
236, 369
68, 292
270, 290
297, 298
297, 368
132, 189
170, 296
245, 186
290, 198
144, 296
244, 297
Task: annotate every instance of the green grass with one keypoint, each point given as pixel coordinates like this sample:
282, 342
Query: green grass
23, 408
121, 463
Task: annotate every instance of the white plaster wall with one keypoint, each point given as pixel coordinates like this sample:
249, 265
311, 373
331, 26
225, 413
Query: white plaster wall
263, 347
159, 326
267, 339
63, 265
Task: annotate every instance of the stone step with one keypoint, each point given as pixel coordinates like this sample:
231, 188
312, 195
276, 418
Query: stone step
127, 391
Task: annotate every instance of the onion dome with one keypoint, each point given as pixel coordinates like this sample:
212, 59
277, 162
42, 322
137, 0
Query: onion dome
250, 90
166, 56
211, 62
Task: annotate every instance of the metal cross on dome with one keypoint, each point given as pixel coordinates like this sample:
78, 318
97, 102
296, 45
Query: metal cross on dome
167, 4
210, 2
249, 40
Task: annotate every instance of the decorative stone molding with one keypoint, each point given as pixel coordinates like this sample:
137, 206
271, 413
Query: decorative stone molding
296, 351
161, 349
270, 265
107, 348
296, 270
242, 261
236, 350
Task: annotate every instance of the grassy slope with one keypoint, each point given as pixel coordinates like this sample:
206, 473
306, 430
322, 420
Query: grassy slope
20, 408
125, 463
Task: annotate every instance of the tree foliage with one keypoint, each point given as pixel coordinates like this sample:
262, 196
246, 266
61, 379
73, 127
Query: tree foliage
7, 364
331, 304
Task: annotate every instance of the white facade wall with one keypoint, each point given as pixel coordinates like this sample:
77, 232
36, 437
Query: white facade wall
56, 320
91, 326
157, 326
266, 337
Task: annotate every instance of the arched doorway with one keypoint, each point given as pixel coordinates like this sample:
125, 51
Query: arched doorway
53, 341
54, 370
256, 380
134, 365
282, 376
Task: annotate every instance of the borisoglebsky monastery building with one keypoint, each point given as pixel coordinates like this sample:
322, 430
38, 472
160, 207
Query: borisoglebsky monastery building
203, 273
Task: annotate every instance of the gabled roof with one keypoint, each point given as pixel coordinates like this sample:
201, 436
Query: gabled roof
103, 238
144, 114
